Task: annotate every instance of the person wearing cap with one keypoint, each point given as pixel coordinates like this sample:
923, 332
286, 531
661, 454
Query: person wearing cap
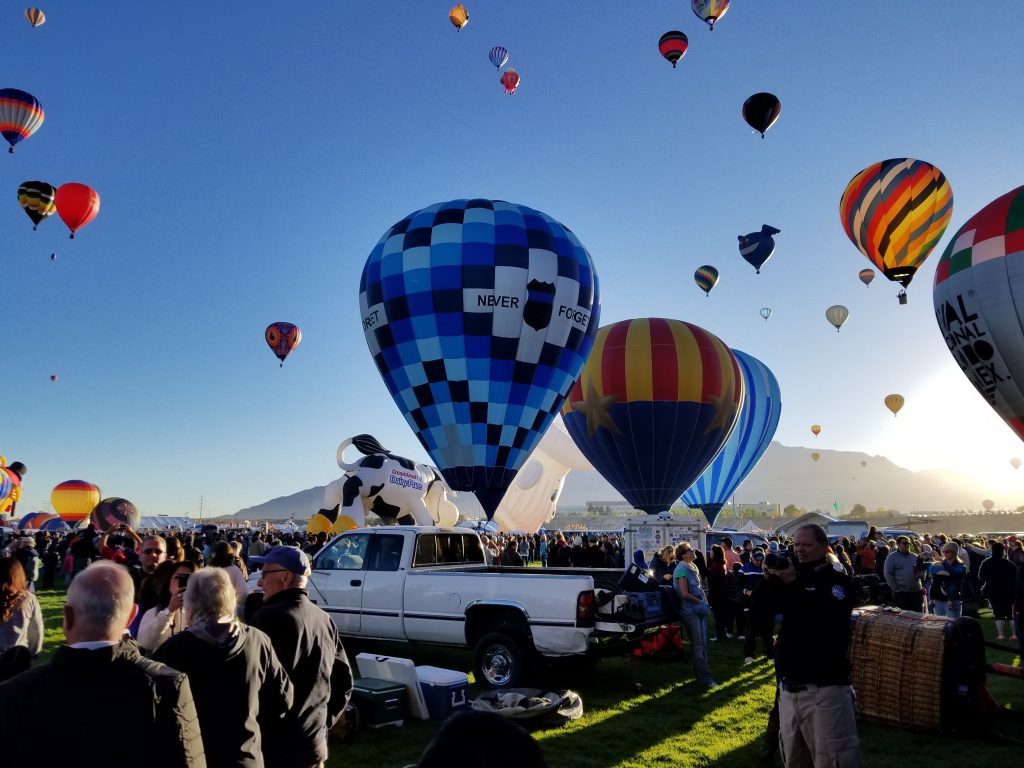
308, 645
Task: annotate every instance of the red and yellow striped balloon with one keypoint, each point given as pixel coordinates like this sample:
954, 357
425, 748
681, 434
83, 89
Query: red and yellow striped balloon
654, 404
895, 212
74, 500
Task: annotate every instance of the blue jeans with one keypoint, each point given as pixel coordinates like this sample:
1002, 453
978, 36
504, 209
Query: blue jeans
697, 630
953, 608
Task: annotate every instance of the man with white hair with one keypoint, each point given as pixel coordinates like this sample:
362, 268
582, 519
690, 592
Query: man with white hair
309, 646
100, 666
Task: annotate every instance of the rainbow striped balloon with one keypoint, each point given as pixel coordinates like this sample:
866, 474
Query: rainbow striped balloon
709, 11
706, 277
21, 114
895, 212
655, 403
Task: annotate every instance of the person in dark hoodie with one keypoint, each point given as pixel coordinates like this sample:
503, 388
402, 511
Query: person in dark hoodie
309, 646
236, 678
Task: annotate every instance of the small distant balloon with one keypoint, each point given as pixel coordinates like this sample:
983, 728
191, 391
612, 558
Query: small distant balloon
836, 315
77, 205
672, 46
710, 11
866, 276
35, 17
1015, 462
498, 56
53, 377
894, 403
761, 111
757, 247
37, 200
706, 277
282, 338
815, 456
863, 463
510, 79
766, 312
53, 257
988, 504
458, 16
21, 114
816, 429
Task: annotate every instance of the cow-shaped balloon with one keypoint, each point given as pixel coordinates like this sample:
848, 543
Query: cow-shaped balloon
396, 489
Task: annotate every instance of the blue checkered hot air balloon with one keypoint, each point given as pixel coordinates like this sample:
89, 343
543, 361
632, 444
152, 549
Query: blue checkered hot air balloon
498, 56
758, 419
479, 315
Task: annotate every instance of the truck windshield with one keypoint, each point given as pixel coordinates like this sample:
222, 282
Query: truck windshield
345, 553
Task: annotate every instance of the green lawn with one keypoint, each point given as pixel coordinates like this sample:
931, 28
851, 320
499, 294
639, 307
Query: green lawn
669, 720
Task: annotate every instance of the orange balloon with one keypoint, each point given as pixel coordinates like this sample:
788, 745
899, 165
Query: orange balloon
816, 429
77, 205
74, 499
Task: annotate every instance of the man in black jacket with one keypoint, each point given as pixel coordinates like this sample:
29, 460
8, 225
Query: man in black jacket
308, 645
816, 711
105, 671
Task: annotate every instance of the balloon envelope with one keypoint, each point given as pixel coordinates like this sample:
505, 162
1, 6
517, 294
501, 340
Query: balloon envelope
866, 276
979, 304
766, 312
282, 338
510, 80
73, 500
816, 429
710, 11
37, 200
654, 405
21, 114
815, 456
757, 247
35, 17
458, 16
479, 315
761, 111
112, 512
672, 46
498, 56
758, 420
894, 403
1015, 462
77, 205
836, 315
34, 520
895, 213
706, 277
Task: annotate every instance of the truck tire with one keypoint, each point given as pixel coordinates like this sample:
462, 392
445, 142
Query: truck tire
498, 661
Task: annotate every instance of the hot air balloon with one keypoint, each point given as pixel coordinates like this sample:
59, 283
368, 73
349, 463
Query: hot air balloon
894, 403
1015, 462
36, 198
77, 204
21, 114
498, 56
458, 16
706, 277
510, 80
895, 213
673, 45
766, 312
816, 429
863, 463
710, 11
113, 512
73, 500
758, 419
35, 17
815, 456
655, 403
53, 377
35, 521
54, 525
761, 111
836, 315
479, 315
10, 486
866, 276
979, 304
282, 338
757, 247
988, 504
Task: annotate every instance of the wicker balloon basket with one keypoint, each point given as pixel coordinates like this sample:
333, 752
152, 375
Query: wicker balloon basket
916, 671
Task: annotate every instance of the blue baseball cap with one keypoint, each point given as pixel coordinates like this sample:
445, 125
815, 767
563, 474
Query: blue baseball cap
290, 558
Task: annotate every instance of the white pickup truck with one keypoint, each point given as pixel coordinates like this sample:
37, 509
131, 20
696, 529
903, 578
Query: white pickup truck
432, 585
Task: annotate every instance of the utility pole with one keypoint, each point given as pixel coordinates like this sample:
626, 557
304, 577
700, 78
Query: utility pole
201, 498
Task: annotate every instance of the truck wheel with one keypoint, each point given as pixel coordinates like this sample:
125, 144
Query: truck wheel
498, 661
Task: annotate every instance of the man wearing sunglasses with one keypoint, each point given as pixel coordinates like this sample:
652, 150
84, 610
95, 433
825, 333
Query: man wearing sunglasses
309, 646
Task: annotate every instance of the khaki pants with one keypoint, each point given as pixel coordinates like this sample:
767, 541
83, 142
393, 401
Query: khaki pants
818, 727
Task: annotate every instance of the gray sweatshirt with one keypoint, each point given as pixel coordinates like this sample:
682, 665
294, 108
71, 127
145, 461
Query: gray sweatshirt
901, 572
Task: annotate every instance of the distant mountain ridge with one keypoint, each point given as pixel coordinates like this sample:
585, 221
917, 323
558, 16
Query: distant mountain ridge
785, 475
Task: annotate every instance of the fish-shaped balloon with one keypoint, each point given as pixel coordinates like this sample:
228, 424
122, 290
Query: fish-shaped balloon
757, 247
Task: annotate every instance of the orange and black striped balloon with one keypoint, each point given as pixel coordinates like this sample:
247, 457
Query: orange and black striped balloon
35, 17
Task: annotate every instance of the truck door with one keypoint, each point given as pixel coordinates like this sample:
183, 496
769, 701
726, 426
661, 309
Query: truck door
384, 579
339, 572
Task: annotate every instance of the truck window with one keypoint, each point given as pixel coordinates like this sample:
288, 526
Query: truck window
447, 549
345, 553
385, 553
426, 550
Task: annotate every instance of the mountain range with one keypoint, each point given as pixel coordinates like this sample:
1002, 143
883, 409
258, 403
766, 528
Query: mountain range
785, 475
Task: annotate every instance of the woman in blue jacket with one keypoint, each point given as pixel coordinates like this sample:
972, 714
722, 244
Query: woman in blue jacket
947, 582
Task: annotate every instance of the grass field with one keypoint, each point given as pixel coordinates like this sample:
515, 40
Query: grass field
669, 720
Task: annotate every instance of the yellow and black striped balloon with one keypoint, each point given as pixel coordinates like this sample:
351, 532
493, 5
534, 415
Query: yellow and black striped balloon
35, 17
37, 198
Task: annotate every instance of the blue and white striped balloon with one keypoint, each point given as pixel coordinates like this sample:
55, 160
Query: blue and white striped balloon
498, 56
755, 428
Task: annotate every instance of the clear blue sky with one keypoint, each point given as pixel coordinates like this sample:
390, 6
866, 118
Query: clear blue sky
250, 154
